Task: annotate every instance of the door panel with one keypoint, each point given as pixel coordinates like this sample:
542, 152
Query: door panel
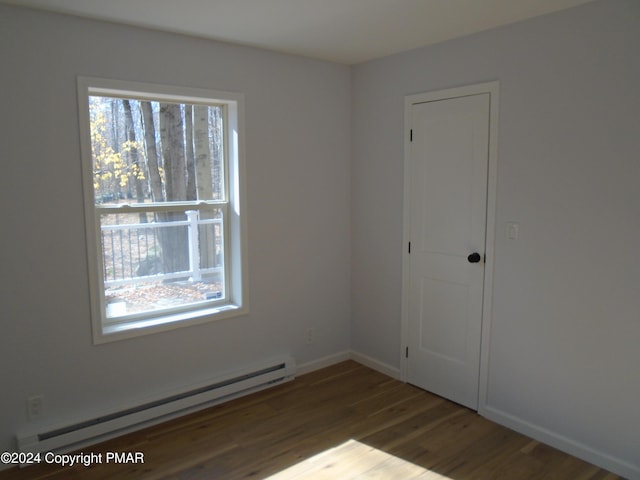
448, 192
448, 302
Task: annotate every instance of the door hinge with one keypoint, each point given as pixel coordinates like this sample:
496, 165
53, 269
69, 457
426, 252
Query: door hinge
409, 248
411, 135
406, 352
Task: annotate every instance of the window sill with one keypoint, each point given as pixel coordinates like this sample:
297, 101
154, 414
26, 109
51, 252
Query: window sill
137, 328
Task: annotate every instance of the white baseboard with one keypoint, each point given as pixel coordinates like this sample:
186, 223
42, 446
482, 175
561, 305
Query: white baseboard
348, 355
376, 365
572, 447
323, 362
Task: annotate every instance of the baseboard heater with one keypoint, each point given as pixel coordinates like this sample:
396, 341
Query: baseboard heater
99, 428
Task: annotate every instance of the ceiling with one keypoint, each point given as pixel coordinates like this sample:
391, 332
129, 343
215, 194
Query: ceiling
343, 31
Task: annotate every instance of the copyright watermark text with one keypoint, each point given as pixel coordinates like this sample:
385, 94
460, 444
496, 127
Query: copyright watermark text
71, 459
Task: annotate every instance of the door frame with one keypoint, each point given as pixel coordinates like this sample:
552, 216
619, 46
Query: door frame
492, 88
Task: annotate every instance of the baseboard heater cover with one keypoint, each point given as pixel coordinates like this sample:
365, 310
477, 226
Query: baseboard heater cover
100, 427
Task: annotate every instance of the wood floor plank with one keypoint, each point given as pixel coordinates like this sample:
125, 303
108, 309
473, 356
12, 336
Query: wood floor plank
343, 421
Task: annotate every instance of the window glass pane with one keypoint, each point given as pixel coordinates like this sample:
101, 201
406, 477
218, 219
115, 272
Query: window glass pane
146, 151
161, 260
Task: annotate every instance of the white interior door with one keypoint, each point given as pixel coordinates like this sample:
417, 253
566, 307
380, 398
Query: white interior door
448, 165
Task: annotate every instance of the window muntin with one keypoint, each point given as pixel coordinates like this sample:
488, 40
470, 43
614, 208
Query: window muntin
163, 190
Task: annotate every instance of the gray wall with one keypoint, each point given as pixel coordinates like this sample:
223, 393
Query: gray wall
565, 329
297, 151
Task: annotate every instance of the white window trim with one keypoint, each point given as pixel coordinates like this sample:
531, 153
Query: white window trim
236, 245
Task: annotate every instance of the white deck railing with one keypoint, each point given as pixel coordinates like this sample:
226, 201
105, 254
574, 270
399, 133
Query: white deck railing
131, 252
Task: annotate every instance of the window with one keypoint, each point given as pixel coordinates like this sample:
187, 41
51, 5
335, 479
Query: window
163, 176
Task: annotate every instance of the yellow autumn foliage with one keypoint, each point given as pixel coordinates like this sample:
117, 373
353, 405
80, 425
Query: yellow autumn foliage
109, 165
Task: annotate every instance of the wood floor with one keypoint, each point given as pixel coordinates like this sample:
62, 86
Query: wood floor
345, 421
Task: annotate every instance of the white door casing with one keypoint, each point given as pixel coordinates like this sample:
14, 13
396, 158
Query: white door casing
449, 203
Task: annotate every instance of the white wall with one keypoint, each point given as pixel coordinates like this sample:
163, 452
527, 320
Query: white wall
565, 331
298, 164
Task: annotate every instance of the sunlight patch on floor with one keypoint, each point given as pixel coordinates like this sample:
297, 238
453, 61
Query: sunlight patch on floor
352, 460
